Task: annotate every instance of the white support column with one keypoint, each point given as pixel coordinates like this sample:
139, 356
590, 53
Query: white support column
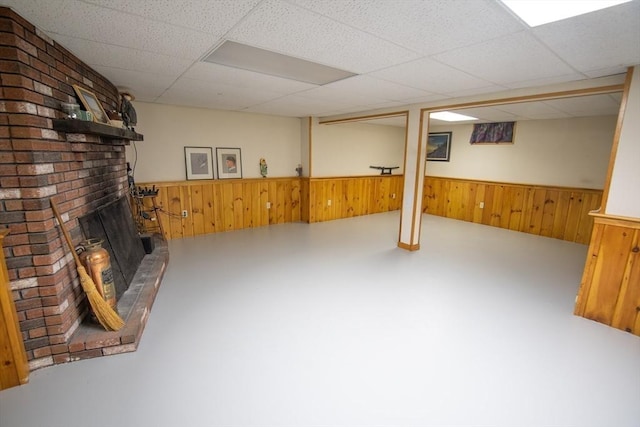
414, 164
306, 138
623, 187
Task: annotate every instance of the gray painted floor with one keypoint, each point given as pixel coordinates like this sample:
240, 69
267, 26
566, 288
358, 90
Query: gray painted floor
331, 325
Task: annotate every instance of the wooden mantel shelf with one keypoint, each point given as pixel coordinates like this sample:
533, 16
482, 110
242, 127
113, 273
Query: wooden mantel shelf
83, 126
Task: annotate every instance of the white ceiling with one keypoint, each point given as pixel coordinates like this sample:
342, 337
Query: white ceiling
404, 51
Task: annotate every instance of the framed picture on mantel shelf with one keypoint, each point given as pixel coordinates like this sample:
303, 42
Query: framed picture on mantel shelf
91, 103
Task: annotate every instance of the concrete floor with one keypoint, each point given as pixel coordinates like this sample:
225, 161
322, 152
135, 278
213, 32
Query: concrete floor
331, 325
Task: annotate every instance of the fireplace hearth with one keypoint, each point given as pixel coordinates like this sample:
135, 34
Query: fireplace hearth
91, 340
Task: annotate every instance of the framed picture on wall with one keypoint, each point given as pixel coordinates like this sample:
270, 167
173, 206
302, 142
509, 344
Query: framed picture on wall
199, 162
229, 163
439, 146
92, 104
493, 133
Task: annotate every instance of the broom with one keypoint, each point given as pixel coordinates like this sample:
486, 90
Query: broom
106, 315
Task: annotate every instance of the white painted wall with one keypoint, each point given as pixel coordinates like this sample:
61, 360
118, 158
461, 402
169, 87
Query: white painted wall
624, 191
563, 152
348, 149
167, 129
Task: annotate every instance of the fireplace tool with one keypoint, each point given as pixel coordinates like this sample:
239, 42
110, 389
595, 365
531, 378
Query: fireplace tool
106, 315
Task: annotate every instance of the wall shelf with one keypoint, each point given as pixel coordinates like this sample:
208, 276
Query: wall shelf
82, 126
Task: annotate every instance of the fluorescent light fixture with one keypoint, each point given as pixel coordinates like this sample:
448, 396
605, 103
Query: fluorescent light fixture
448, 116
536, 12
263, 61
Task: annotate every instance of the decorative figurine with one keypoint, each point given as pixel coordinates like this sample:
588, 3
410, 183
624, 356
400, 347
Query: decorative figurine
129, 116
263, 167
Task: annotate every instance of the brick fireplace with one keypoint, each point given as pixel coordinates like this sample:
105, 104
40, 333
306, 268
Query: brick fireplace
81, 171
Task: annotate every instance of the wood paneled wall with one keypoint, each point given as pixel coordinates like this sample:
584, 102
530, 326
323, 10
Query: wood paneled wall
353, 196
14, 369
558, 212
610, 288
223, 205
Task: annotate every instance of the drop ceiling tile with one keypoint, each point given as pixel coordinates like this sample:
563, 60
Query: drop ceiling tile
427, 27
331, 96
431, 76
596, 40
218, 93
425, 99
372, 87
488, 114
144, 86
291, 30
212, 17
607, 71
386, 104
346, 91
583, 106
296, 106
101, 54
210, 72
616, 96
545, 81
44, 14
186, 100
90, 22
507, 60
476, 91
531, 110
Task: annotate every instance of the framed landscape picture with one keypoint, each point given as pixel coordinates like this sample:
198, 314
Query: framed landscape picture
439, 146
199, 162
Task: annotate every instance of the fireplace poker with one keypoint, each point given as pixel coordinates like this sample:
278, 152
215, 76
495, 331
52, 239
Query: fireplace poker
106, 315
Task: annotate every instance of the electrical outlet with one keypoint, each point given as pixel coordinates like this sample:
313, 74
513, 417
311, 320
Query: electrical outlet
329, 202
393, 196
268, 205
481, 205
185, 214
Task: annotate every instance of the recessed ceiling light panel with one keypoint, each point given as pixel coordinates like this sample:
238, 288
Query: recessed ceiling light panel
536, 12
263, 61
448, 116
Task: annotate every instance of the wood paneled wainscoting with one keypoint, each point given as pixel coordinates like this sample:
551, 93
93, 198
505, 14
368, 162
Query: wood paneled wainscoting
610, 288
14, 369
214, 206
345, 197
558, 212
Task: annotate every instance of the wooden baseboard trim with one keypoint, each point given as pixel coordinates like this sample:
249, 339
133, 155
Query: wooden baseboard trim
408, 247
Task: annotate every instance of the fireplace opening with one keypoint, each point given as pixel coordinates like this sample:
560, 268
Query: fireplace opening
113, 224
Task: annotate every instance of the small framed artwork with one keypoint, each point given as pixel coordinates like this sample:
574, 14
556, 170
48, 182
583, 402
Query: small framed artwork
439, 146
199, 162
92, 104
229, 163
493, 133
